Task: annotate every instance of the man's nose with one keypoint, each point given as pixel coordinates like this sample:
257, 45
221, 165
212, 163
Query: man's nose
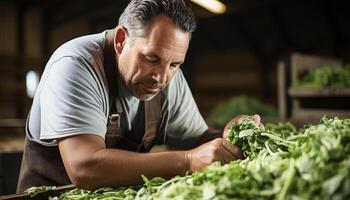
161, 74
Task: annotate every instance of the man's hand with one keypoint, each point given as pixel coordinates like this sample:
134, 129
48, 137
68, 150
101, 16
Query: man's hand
238, 119
219, 149
215, 150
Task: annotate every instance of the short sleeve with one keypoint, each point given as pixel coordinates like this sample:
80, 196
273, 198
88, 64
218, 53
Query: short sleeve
186, 124
71, 102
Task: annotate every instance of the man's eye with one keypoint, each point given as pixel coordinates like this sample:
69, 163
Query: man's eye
151, 59
172, 66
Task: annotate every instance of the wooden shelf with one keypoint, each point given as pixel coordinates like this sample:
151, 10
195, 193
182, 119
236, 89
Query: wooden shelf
300, 105
12, 123
313, 116
9, 144
329, 92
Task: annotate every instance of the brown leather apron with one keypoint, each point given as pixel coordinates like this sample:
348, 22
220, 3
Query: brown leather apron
43, 165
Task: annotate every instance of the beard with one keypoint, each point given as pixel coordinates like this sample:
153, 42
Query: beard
146, 97
138, 89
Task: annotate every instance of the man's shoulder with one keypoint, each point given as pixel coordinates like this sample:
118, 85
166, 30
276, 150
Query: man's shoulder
78, 66
82, 54
87, 47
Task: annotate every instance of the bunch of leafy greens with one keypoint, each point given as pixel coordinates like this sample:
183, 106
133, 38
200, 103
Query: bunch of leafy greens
281, 163
253, 139
327, 77
226, 110
33, 191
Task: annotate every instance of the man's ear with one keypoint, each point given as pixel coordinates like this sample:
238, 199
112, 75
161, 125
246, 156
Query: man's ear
120, 39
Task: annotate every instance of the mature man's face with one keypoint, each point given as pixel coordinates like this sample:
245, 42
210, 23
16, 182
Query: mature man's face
147, 64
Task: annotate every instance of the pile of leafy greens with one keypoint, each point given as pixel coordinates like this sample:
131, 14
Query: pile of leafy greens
101, 194
327, 77
281, 163
226, 110
33, 191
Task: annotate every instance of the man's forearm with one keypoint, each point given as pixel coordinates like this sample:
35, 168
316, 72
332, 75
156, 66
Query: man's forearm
113, 167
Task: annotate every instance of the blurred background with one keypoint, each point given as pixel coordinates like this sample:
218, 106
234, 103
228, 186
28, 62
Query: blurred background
284, 59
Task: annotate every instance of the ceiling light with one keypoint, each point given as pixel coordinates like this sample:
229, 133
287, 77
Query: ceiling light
214, 6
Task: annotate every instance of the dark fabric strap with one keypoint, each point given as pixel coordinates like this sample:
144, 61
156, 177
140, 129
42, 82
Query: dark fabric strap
153, 115
109, 66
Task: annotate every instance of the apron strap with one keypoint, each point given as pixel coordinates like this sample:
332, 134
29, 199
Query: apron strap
153, 116
110, 70
115, 113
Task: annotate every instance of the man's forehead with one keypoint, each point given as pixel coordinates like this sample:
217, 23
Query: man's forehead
177, 54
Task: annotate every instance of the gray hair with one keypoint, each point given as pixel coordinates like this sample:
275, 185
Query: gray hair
139, 13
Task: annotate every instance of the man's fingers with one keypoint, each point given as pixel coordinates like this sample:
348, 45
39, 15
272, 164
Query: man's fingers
240, 118
261, 125
232, 152
257, 120
233, 149
227, 156
228, 126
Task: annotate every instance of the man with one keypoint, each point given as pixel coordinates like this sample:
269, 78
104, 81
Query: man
105, 98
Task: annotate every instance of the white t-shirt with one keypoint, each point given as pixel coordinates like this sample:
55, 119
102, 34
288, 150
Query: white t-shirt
72, 98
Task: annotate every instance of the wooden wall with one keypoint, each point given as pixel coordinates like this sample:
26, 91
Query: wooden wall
23, 48
220, 75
